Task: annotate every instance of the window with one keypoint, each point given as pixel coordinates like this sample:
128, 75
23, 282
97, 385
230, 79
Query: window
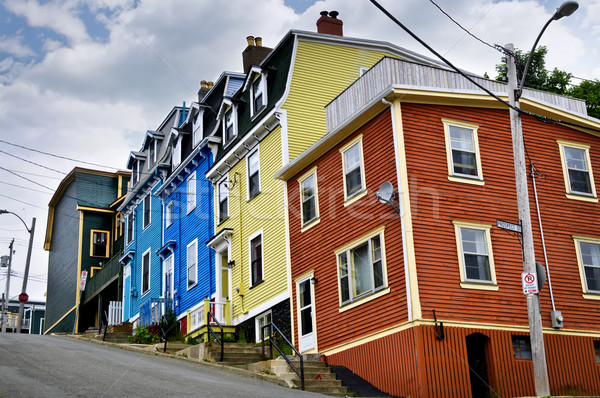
361, 268
191, 192
354, 176
229, 125
256, 259
521, 347
462, 150
118, 226
152, 154
99, 243
134, 173
253, 169
147, 210
223, 194
129, 228
597, 350
475, 255
176, 151
146, 271
260, 321
169, 214
192, 264
309, 206
197, 127
588, 257
258, 94
579, 181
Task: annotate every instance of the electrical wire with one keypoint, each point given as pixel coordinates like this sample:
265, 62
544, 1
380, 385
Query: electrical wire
33, 163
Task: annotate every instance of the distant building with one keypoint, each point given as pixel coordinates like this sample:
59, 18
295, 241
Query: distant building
33, 317
83, 233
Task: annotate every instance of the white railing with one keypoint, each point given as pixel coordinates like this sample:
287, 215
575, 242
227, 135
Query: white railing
12, 321
218, 310
115, 313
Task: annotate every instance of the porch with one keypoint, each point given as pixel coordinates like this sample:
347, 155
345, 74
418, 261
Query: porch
209, 313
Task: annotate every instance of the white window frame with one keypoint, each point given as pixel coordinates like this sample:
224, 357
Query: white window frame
233, 122
198, 127
147, 209
254, 152
193, 266
135, 172
262, 257
262, 90
191, 190
578, 240
346, 279
130, 227
176, 151
169, 214
571, 194
456, 176
257, 326
152, 148
315, 220
362, 191
465, 282
146, 254
222, 184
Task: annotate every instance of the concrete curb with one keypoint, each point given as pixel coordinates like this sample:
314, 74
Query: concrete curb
149, 349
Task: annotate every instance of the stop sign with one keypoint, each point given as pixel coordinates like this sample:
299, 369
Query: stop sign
23, 297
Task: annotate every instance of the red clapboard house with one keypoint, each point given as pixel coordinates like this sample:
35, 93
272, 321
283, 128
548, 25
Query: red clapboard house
372, 285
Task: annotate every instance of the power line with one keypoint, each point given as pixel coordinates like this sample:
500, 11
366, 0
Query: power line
33, 163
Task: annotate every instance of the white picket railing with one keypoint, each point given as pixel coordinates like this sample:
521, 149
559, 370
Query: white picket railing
115, 313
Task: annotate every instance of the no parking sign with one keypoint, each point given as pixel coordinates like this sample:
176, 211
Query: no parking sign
530, 283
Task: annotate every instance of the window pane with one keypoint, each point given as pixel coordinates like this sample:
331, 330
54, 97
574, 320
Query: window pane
306, 319
477, 267
592, 277
580, 181
308, 211
344, 280
464, 163
254, 185
575, 158
353, 182
307, 187
473, 241
461, 138
590, 253
361, 270
521, 347
256, 259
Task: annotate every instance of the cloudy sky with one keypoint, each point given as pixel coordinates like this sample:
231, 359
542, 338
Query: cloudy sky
84, 79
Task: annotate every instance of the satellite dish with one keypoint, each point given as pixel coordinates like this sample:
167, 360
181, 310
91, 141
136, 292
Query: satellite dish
385, 193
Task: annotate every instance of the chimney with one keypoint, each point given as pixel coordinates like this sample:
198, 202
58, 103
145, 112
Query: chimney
203, 90
255, 53
329, 24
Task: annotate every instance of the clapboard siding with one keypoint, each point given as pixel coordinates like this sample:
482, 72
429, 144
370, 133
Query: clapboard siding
314, 248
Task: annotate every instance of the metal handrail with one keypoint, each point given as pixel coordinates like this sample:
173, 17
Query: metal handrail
165, 332
105, 324
272, 343
222, 341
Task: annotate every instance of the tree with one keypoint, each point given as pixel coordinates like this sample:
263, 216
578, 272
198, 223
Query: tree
588, 90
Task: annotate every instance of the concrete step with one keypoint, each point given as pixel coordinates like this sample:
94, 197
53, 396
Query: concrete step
335, 391
324, 376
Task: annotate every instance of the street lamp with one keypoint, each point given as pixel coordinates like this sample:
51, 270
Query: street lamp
27, 262
536, 334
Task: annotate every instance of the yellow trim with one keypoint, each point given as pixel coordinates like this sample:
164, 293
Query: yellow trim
49, 225
363, 192
79, 255
317, 219
365, 299
461, 263
460, 178
576, 240
93, 270
359, 240
92, 242
574, 195
94, 209
310, 272
60, 320
405, 197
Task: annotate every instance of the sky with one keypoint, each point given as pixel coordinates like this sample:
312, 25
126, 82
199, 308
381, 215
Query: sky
85, 79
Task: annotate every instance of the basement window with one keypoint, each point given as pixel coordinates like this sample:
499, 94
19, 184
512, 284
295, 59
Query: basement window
521, 347
597, 350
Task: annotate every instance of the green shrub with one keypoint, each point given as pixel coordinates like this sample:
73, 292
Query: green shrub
143, 335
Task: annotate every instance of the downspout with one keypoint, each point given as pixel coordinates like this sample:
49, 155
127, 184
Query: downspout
537, 206
401, 212
242, 290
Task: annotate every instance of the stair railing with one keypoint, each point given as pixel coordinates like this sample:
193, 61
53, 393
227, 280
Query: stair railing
221, 341
104, 324
164, 331
272, 344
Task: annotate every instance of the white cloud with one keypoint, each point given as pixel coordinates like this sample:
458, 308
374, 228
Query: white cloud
15, 46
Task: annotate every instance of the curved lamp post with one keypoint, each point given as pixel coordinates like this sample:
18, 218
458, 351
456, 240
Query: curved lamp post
536, 334
27, 262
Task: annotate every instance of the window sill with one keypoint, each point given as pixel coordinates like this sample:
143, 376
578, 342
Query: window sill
256, 114
591, 296
466, 180
191, 287
146, 227
583, 198
366, 299
222, 221
310, 224
255, 195
355, 198
479, 286
91, 255
190, 210
256, 284
145, 293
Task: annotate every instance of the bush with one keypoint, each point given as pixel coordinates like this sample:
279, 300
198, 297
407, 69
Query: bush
143, 335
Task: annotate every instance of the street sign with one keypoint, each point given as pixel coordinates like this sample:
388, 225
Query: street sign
23, 297
82, 281
530, 283
508, 225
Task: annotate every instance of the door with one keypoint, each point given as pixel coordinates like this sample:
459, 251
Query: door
223, 284
126, 292
476, 354
168, 285
306, 315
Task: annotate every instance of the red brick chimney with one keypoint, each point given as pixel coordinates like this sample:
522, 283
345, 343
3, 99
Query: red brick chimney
329, 24
255, 53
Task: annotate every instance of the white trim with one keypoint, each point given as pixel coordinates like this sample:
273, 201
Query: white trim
562, 144
197, 127
475, 283
225, 181
315, 220
187, 265
191, 205
262, 308
452, 175
357, 141
313, 333
142, 291
587, 293
149, 196
257, 331
165, 270
256, 151
234, 122
285, 150
263, 88
169, 220
262, 258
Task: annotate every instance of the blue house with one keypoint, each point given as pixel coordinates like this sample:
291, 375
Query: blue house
189, 275
143, 299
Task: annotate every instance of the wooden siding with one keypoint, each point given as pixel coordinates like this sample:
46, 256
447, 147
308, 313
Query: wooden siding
436, 202
321, 72
414, 363
264, 212
314, 248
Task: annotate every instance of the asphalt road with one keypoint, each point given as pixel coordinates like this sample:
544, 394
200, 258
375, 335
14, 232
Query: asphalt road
53, 366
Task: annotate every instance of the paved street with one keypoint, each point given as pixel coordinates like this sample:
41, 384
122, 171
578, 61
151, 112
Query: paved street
50, 366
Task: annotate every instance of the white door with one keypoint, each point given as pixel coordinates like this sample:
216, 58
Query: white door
168, 291
306, 315
223, 278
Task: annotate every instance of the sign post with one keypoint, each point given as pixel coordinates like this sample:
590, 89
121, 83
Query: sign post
82, 282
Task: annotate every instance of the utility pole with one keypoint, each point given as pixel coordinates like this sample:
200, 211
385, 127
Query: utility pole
26, 275
536, 335
7, 294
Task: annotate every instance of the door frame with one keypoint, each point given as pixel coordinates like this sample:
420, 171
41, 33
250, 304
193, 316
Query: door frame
312, 337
